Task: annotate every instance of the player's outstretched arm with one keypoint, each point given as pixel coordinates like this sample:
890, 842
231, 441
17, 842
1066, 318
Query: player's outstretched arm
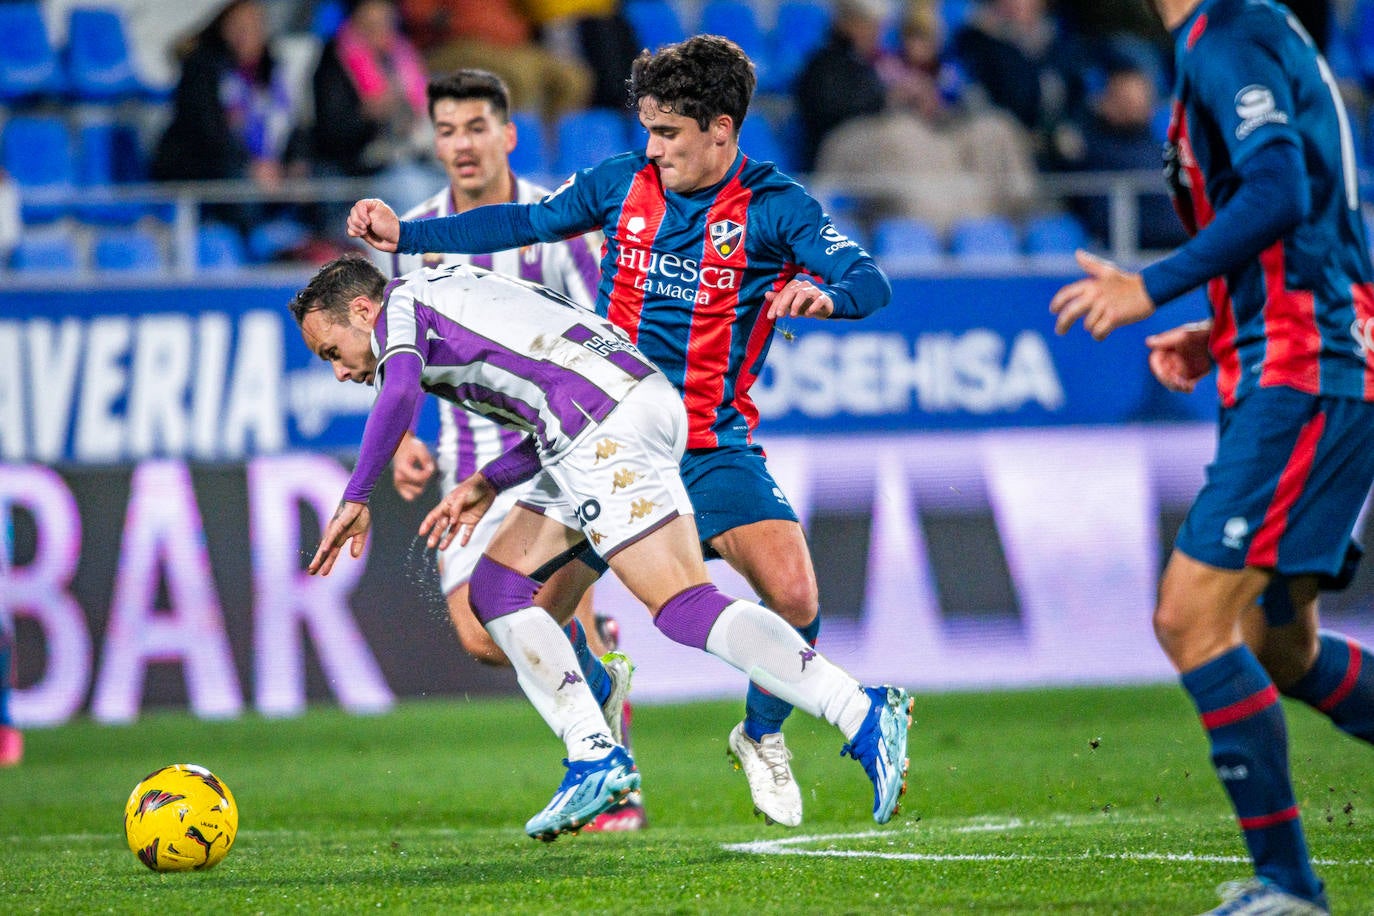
375, 223
1106, 299
351, 521
1179, 357
458, 512
411, 467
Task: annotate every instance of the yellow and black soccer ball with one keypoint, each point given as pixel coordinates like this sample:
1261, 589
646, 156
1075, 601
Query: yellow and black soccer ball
181, 818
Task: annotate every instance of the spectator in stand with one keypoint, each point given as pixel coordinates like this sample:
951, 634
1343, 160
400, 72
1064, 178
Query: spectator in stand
1118, 136
945, 152
594, 32
1027, 65
840, 81
232, 113
371, 113
496, 36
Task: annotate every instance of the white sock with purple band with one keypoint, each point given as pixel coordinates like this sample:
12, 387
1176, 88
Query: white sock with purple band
547, 669
764, 646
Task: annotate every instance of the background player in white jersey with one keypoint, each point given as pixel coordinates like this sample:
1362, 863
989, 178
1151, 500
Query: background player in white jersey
473, 139
605, 432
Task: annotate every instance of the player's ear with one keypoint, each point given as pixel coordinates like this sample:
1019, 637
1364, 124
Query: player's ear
512, 136
364, 309
723, 129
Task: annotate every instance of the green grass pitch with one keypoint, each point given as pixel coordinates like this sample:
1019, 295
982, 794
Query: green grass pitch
1084, 801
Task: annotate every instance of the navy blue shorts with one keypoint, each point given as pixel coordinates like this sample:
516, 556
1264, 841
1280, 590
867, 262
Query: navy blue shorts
730, 486
1291, 473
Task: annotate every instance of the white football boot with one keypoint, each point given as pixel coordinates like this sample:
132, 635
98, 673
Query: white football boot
765, 764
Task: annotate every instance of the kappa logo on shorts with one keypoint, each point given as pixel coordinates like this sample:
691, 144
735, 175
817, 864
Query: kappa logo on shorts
569, 678
605, 449
596, 536
640, 508
1234, 532
623, 479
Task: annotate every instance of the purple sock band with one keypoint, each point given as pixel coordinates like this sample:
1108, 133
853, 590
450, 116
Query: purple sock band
495, 590
688, 616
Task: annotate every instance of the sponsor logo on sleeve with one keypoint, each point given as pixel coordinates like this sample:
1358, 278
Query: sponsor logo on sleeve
1255, 106
835, 240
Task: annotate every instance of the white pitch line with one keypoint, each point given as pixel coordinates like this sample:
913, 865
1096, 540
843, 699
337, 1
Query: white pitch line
789, 846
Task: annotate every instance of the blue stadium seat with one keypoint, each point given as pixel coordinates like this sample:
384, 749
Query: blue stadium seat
28, 62
900, 238
99, 66
36, 151
326, 19
736, 20
758, 140
1054, 234
801, 28
45, 251
107, 153
219, 247
587, 137
984, 238
955, 13
530, 158
127, 250
656, 22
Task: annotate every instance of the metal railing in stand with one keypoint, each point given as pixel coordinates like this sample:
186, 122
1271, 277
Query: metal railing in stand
186, 199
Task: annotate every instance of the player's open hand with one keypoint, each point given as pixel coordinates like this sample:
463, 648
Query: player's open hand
1179, 357
1106, 299
411, 467
458, 512
375, 223
351, 521
799, 298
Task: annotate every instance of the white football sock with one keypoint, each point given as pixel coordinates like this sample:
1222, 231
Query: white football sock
773, 654
546, 667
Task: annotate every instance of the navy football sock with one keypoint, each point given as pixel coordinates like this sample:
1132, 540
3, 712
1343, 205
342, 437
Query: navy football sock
1240, 710
5, 685
592, 669
765, 713
1341, 685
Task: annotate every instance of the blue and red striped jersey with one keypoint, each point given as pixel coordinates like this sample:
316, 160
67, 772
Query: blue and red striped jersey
685, 274
1301, 314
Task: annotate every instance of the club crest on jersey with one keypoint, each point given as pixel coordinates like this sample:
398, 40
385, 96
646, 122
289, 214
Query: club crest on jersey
726, 236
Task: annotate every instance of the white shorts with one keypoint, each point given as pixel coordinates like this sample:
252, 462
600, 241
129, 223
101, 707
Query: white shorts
457, 561
623, 479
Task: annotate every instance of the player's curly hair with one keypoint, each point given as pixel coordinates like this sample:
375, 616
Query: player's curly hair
701, 78
335, 285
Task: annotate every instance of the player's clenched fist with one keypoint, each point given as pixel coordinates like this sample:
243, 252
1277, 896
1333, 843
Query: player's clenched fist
375, 223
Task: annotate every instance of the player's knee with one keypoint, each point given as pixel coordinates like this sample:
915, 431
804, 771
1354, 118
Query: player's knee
794, 600
496, 590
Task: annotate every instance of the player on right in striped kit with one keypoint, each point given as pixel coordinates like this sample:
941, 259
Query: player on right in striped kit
1261, 165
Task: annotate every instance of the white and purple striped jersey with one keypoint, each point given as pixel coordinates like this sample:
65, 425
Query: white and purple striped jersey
570, 267
521, 355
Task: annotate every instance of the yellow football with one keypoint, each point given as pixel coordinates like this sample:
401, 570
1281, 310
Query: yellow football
181, 818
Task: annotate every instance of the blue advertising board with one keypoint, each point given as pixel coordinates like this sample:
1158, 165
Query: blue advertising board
107, 375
